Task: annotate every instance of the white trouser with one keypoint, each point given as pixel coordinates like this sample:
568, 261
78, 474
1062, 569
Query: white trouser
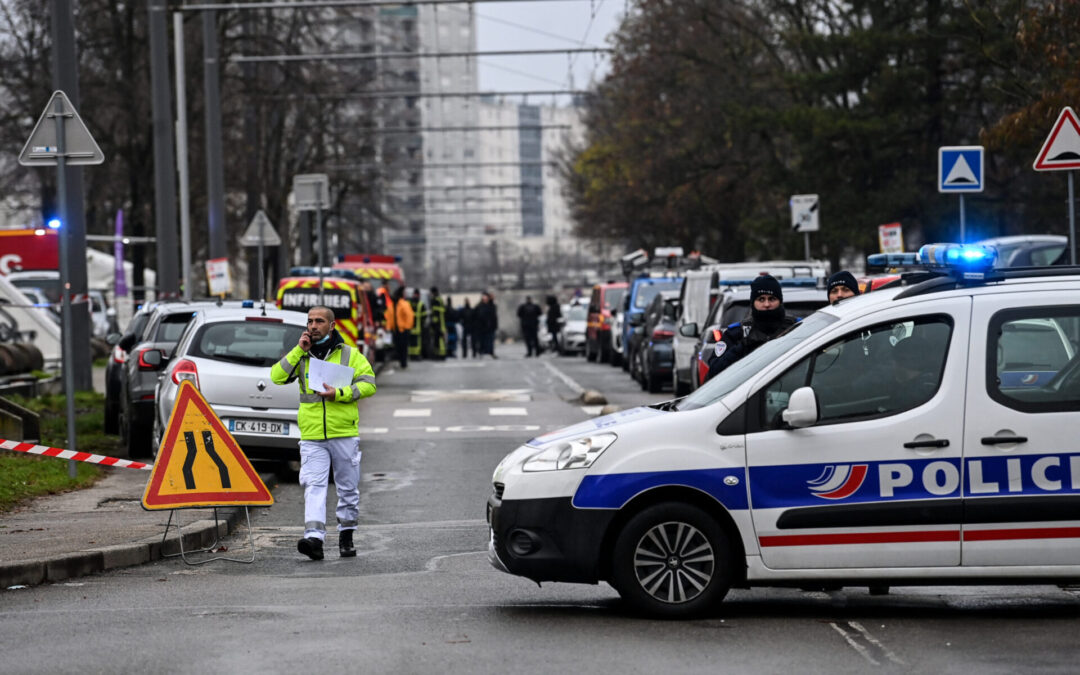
316, 457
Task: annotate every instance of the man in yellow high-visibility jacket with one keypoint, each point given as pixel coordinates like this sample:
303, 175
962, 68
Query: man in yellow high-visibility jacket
329, 429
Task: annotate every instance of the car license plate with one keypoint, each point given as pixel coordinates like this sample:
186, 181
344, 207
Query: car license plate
258, 427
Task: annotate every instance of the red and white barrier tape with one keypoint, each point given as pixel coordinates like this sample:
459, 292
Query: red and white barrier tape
71, 454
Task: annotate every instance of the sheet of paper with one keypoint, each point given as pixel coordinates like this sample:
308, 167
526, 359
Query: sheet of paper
334, 374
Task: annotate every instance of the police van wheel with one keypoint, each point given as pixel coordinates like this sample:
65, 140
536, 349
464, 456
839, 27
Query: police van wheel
672, 561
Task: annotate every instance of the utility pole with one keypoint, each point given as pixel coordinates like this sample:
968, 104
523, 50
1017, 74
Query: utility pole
73, 228
168, 279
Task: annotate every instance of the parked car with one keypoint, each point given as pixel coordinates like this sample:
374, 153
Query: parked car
653, 355
733, 306
114, 369
227, 354
604, 298
1027, 250
638, 296
572, 331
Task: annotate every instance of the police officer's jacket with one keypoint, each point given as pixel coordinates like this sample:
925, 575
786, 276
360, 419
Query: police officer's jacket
320, 419
739, 339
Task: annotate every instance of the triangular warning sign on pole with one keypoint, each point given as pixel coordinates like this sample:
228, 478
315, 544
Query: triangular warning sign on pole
260, 229
1061, 150
42, 148
199, 463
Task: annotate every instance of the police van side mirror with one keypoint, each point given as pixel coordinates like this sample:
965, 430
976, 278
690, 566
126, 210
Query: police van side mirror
688, 330
802, 410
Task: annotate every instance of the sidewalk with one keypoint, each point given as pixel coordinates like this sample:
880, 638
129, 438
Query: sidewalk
100, 528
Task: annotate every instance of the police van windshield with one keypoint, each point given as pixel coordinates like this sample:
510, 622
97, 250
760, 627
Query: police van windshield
738, 372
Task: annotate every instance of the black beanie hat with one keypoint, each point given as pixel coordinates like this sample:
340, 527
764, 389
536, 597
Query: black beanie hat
843, 278
766, 284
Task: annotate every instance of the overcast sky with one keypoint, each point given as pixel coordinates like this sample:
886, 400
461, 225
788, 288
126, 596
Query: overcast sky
544, 25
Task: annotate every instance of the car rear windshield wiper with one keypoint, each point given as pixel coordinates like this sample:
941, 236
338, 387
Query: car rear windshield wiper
240, 358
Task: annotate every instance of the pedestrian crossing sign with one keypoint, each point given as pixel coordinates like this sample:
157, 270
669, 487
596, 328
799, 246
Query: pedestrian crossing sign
199, 463
960, 168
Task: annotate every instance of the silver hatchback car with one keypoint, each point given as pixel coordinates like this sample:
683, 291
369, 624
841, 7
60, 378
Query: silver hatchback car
227, 354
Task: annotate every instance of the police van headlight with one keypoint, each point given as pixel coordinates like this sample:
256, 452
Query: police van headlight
579, 453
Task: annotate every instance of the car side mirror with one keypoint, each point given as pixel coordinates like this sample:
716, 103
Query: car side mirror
113, 339
802, 410
153, 358
688, 330
637, 320
126, 342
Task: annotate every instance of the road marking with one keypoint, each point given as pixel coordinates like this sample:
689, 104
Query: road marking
471, 428
508, 412
567, 380
863, 651
412, 412
374, 430
877, 643
433, 564
458, 395
592, 410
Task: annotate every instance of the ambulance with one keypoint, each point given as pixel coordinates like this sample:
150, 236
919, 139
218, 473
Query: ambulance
353, 315
925, 433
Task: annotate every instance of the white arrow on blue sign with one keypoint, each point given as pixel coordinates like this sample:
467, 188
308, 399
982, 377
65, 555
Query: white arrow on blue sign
960, 168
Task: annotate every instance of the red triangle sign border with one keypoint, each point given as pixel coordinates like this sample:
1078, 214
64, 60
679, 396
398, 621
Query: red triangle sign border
1067, 116
186, 396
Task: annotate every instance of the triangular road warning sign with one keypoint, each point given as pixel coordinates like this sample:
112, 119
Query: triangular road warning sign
1061, 150
42, 149
260, 228
961, 173
199, 463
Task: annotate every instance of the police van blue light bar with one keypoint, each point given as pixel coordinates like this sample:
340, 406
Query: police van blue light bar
968, 261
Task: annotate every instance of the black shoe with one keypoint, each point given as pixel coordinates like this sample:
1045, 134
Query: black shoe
311, 547
345, 544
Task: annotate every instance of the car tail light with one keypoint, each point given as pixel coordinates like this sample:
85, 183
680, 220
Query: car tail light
143, 365
661, 334
185, 370
118, 355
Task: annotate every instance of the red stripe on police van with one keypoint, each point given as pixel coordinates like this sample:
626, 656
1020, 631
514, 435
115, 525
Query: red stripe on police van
858, 538
1023, 533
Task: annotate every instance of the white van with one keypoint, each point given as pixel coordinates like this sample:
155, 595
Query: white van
899, 437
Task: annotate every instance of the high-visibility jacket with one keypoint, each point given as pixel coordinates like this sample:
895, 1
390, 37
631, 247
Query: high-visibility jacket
318, 418
399, 314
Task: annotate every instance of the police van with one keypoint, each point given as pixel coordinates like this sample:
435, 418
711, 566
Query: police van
908, 436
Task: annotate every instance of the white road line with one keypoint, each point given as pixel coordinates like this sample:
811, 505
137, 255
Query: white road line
567, 380
374, 430
433, 564
592, 410
508, 412
877, 643
863, 651
412, 412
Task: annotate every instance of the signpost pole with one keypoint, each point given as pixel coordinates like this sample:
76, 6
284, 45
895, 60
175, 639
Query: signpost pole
962, 224
65, 285
322, 243
1072, 222
182, 155
262, 282
806, 245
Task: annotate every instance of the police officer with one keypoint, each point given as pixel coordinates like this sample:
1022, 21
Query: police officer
399, 320
842, 285
767, 320
329, 430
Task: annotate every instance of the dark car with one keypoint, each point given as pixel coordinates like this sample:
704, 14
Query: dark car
638, 296
164, 323
114, 370
654, 352
734, 305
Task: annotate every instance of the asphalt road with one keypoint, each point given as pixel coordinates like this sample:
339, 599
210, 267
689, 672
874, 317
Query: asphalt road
421, 597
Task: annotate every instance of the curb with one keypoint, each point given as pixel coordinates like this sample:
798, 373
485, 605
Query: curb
198, 534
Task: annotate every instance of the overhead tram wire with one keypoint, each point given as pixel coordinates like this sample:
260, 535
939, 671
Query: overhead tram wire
343, 96
320, 4
372, 56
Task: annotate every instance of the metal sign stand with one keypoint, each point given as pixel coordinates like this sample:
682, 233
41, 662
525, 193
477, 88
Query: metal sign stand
210, 549
1072, 221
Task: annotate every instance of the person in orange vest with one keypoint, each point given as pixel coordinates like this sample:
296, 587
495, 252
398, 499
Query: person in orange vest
399, 320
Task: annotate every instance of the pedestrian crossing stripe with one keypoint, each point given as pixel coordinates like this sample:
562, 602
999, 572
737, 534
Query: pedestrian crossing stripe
199, 463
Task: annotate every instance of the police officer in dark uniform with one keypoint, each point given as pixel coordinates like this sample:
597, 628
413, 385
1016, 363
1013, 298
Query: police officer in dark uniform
767, 320
842, 285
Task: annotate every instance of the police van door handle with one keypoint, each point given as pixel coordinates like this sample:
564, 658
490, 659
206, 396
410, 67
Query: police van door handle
1002, 440
932, 443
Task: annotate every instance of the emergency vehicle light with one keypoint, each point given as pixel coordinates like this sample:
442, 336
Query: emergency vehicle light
970, 261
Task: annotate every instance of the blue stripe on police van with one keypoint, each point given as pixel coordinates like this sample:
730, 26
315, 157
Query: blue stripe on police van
612, 491
787, 486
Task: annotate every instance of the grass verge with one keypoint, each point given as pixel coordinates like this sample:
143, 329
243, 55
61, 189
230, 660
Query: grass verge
24, 477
